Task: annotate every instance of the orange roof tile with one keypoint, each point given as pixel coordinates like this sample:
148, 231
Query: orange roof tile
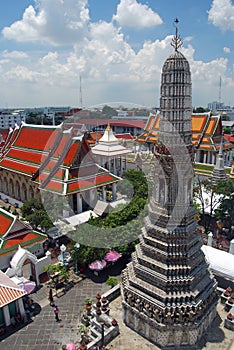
23, 240
8, 295
71, 153
198, 123
210, 127
23, 168
38, 138
29, 156
6, 220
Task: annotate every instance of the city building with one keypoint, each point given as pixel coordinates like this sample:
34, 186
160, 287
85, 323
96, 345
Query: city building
8, 120
169, 294
135, 127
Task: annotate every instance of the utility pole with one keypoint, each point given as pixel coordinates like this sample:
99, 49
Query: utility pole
220, 86
81, 102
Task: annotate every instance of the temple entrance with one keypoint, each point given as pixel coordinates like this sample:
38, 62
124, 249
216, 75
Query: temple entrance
27, 269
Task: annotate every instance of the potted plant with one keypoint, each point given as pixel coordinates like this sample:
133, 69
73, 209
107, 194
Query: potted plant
114, 322
88, 304
227, 291
103, 307
112, 281
98, 296
98, 311
104, 300
98, 304
83, 331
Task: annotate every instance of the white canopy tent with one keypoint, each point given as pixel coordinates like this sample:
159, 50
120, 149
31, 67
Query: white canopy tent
221, 263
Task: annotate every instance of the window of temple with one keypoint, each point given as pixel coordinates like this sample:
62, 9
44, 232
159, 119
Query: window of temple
5, 186
31, 193
17, 190
24, 193
11, 188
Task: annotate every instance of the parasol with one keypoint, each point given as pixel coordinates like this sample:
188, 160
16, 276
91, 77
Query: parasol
112, 256
29, 286
97, 265
71, 346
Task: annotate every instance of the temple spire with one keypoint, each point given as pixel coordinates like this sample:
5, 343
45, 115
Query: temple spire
176, 40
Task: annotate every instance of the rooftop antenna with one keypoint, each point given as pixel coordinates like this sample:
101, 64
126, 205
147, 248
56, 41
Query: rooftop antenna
220, 87
81, 102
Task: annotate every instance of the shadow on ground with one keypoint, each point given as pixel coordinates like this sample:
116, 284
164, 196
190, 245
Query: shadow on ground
214, 333
111, 270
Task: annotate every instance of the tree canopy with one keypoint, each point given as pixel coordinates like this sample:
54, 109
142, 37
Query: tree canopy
33, 211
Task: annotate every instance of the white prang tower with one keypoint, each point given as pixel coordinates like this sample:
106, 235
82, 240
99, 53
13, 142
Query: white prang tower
169, 295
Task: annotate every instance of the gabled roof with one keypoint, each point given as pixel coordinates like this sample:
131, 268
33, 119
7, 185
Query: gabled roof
27, 147
109, 145
9, 291
229, 137
206, 131
48, 155
14, 232
93, 136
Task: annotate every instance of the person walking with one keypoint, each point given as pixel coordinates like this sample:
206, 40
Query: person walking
51, 299
56, 313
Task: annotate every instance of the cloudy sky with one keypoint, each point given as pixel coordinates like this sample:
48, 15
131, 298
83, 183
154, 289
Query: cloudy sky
115, 47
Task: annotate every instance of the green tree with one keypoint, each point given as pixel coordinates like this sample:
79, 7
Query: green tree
214, 199
108, 111
112, 281
33, 211
226, 208
200, 110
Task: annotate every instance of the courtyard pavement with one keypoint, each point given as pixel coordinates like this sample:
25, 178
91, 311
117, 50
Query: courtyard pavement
44, 333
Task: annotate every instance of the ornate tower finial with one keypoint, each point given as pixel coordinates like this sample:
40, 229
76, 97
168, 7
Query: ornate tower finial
176, 40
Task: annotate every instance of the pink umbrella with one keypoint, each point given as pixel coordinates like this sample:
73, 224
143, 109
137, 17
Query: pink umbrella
97, 265
112, 256
71, 346
29, 286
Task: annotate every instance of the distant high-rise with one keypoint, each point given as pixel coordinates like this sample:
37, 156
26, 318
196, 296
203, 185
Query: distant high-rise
169, 295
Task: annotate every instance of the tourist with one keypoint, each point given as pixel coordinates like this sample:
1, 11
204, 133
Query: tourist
56, 313
51, 299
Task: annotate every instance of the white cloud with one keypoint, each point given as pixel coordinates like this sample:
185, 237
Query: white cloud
14, 54
132, 14
226, 49
221, 14
110, 68
55, 22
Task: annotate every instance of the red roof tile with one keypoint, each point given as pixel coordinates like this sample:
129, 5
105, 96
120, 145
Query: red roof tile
6, 221
36, 138
19, 167
24, 239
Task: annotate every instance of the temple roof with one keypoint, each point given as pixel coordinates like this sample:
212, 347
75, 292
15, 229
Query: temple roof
9, 291
206, 131
14, 232
93, 136
109, 145
54, 158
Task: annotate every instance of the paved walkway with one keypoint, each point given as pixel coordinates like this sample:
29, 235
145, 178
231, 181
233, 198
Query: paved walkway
44, 333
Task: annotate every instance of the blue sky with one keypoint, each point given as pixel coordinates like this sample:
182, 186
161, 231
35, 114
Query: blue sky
117, 47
